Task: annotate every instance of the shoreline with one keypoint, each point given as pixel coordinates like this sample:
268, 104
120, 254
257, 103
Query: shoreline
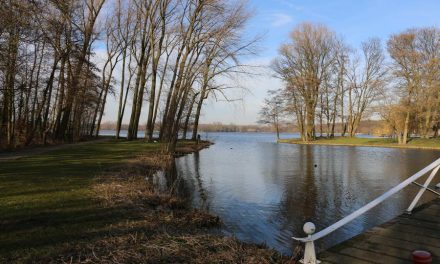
319, 142
110, 211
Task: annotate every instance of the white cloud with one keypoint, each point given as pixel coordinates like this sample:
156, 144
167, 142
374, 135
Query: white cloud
291, 5
280, 19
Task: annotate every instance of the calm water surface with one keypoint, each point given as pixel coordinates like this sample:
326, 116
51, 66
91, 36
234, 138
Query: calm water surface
264, 191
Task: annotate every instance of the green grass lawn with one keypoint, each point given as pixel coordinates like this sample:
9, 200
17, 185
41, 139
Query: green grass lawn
378, 142
46, 199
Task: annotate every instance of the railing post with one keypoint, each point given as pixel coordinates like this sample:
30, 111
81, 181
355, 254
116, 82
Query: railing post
422, 190
309, 251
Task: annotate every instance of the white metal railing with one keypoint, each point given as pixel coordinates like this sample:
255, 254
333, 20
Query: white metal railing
309, 228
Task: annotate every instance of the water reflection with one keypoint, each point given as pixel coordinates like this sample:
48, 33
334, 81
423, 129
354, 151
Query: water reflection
170, 182
264, 192
202, 194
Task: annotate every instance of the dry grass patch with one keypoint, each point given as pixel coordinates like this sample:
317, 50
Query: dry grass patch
166, 248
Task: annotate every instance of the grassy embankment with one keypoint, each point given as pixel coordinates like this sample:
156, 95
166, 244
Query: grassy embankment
418, 143
91, 204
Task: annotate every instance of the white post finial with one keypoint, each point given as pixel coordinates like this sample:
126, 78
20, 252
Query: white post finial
309, 251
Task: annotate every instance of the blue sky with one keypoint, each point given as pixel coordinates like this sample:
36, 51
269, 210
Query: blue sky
355, 21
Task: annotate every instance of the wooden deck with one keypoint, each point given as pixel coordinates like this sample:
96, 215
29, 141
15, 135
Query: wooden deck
393, 241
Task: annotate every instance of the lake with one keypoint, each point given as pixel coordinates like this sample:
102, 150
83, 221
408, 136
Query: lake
264, 192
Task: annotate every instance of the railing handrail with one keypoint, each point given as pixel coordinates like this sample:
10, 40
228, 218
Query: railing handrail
372, 204
309, 228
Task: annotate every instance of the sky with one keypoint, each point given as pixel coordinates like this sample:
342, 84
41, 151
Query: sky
353, 20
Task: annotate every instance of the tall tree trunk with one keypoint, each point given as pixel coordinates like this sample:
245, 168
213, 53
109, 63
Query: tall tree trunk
427, 124
405, 129
61, 94
156, 107
101, 113
141, 80
150, 125
157, 52
8, 100
121, 95
310, 122
31, 82
195, 130
188, 116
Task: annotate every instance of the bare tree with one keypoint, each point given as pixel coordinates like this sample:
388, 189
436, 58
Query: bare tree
272, 110
125, 32
406, 62
304, 64
157, 37
114, 48
366, 82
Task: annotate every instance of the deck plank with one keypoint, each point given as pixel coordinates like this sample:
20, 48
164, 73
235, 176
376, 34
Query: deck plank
392, 242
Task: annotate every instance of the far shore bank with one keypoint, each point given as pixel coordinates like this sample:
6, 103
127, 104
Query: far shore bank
414, 143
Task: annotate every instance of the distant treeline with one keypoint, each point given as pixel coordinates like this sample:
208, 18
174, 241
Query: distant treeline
366, 127
214, 127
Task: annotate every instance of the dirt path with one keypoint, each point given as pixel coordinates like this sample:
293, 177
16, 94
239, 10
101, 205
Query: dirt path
22, 153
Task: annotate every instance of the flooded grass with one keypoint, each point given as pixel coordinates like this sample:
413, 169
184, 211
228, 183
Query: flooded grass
95, 204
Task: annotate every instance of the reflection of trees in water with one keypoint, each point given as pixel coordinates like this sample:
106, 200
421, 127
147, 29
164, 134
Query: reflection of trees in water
299, 200
310, 200
204, 204
169, 181
314, 193
305, 204
184, 180
294, 205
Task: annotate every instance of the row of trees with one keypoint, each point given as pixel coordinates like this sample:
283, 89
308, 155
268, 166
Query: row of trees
329, 84
415, 69
48, 85
173, 54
